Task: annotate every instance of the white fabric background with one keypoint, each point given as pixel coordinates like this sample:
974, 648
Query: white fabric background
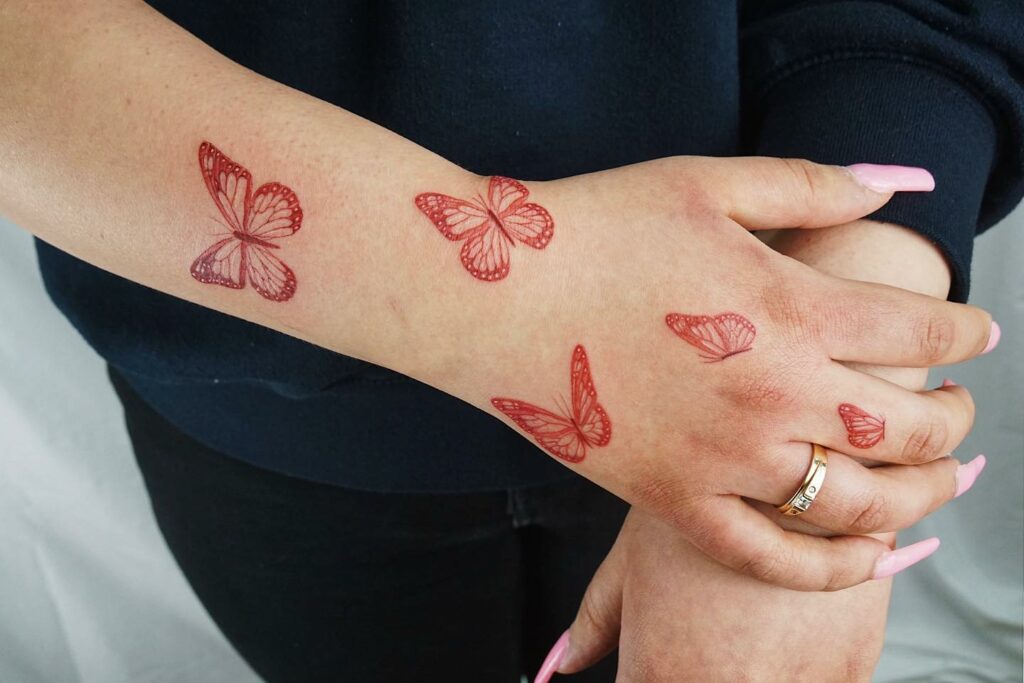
88, 591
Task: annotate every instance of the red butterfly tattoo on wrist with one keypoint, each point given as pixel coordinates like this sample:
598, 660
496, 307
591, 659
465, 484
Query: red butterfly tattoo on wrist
253, 220
566, 436
489, 225
717, 337
863, 429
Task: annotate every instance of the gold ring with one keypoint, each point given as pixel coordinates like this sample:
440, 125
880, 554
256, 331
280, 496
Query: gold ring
813, 480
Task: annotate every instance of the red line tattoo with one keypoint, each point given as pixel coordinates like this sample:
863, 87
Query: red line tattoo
863, 429
252, 221
566, 436
489, 225
717, 337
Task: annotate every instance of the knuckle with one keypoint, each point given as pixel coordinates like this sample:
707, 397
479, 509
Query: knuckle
666, 499
765, 390
870, 514
925, 443
859, 667
591, 613
768, 565
791, 304
807, 175
935, 337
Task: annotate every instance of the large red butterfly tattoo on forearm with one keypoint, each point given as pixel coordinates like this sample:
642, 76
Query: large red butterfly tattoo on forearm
568, 435
252, 222
489, 226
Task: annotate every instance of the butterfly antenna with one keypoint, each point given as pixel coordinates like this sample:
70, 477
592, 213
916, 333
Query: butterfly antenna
227, 230
562, 405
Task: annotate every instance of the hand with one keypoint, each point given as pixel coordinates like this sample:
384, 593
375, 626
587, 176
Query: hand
682, 612
676, 615
693, 438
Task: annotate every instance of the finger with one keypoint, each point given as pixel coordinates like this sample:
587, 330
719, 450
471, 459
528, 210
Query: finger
873, 323
872, 418
738, 536
766, 192
595, 631
855, 499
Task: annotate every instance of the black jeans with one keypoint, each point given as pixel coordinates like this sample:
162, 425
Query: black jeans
311, 582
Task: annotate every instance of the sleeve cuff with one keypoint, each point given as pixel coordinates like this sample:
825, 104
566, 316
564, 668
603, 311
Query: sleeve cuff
886, 111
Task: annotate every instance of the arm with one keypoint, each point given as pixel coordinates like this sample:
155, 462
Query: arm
107, 104
105, 107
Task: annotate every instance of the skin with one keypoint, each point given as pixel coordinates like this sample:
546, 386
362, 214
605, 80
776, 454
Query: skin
108, 172
670, 609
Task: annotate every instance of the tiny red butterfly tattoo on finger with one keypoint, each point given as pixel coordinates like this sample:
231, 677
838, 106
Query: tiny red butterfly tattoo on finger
568, 435
863, 429
253, 222
490, 225
716, 337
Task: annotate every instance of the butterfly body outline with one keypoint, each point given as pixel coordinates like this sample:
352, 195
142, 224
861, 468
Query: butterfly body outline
253, 219
716, 337
567, 436
863, 430
489, 225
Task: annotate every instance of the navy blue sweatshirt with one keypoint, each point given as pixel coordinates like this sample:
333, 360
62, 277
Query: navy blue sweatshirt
544, 89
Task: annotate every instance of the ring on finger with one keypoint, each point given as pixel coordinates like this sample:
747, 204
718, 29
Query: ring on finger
801, 501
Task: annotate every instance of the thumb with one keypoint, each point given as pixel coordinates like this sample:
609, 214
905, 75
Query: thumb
766, 192
595, 632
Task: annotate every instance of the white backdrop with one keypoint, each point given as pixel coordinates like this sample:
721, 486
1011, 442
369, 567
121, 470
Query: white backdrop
88, 591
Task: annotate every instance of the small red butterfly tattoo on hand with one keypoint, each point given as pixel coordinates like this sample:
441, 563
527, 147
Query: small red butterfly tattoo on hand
253, 220
717, 337
489, 225
863, 429
567, 436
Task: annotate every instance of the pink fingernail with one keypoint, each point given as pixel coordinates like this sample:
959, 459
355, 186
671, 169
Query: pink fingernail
993, 337
967, 474
553, 660
948, 383
887, 178
895, 561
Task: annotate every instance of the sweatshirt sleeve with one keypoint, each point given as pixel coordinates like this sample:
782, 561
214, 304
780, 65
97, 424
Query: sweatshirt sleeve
931, 83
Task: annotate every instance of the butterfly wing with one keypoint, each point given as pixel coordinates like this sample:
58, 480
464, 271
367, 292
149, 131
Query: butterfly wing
456, 219
269, 275
229, 184
863, 429
222, 264
716, 337
531, 224
273, 213
590, 416
505, 195
556, 434
485, 253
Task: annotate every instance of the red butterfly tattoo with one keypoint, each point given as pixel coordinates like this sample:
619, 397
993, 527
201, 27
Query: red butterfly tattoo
253, 219
565, 436
490, 226
863, 429
717, 337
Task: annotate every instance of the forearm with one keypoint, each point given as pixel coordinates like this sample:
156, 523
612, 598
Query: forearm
105, 106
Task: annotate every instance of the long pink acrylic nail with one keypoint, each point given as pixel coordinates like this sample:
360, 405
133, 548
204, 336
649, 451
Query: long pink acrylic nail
948, 383
553, 660
993, 337
887, 178
967, 474
895, 561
